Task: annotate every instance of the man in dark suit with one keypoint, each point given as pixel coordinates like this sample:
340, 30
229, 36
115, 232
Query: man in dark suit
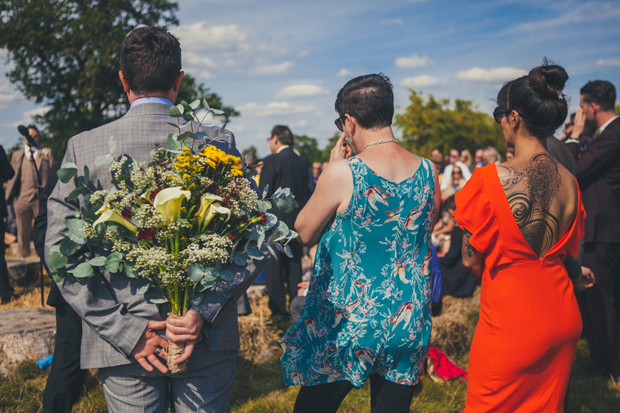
284, 168
6, 173
598, 173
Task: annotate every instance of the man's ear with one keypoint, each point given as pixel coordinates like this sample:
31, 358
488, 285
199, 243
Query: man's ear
177, 83
123, 81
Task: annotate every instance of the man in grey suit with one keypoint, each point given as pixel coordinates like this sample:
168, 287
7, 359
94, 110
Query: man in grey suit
123, 334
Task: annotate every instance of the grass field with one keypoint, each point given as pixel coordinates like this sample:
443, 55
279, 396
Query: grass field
259, 384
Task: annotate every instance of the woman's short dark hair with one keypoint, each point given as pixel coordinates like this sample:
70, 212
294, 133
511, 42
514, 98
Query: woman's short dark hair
150, 60
538, 99
601, 92
369, 99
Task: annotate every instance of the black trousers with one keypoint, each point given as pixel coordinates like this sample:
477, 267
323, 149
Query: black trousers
66, 380
280, 271
598, 306
385, 396
6, 291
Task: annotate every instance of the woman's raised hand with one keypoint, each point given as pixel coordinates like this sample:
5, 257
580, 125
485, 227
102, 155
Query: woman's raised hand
341, 150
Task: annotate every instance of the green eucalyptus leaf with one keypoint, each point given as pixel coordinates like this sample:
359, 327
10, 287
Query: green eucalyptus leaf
181, 108
86, 175
188, 117
98, 262
68, 165
130, 271
84, 270
185, 105
196, 272
175, 112
182, 137
58, 278
265, 191
111, 145
157, 300
75, 193
227, 274
195, 104
205, 104
104, 160
198, 297
143, 289
87, 198
174, 145
68, 247
217, 111
216, 133
113, 262
255, 254
174, 125
66, 174
211, 274
57, 260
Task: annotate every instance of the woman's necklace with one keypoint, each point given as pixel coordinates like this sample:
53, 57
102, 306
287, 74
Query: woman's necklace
378, 142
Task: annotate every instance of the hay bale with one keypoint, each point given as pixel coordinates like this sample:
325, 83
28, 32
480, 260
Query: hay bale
257, 335
453, 330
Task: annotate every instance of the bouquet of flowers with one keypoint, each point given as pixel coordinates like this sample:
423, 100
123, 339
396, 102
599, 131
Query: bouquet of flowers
175, 222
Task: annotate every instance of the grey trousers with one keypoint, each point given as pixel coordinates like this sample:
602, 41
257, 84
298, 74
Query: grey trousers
207, 388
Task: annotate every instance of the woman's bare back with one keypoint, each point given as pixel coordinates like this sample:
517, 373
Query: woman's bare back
542, 195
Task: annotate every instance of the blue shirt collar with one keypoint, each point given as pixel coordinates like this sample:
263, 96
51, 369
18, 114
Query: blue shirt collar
152, 99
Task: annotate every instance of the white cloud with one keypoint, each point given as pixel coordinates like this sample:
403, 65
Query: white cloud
413, 61
419, 81
194, 59
271, 49
344, 73
274, 108
201, 37
392, 21
8, 93
491, 75
299, 124
273, 69
614, 61
303, 53
589, 12
27, 116
300, 90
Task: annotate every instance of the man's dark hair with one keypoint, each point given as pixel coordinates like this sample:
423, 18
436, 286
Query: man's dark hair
448, 204
369, 99
284, 135
150, 60
601, 92
33, 127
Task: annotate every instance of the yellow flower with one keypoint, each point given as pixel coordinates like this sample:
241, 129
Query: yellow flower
168, 202
107, 214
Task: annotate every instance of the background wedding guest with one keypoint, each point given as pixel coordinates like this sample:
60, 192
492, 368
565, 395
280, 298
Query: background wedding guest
466, 158
6, 172
455, 159
510, 154
284, 168
598, 173
23, 190
491, 155
367, 312
457, 182
316, 171
456, 281
122, 333
478, 160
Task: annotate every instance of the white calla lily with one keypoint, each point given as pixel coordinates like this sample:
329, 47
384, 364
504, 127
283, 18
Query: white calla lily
107, 214
213, 210
205, 201
168, 202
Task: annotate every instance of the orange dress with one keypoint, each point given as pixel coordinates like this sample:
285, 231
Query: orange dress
523, 348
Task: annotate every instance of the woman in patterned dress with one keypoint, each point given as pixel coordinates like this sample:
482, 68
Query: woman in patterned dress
368, 310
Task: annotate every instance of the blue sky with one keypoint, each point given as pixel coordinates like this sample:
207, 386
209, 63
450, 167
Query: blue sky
283, 62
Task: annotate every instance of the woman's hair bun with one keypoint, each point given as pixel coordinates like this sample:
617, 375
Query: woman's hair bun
548, 79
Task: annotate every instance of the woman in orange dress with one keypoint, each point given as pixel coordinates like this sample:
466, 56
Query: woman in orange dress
520, 220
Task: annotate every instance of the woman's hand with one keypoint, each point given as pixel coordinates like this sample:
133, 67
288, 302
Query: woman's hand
341, 151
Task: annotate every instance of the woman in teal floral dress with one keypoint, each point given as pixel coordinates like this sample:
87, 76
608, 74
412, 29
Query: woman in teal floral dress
368, 310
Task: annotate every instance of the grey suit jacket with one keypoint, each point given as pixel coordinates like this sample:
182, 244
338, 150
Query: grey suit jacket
113, 313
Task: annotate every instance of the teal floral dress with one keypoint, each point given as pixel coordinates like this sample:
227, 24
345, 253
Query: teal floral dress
368, 309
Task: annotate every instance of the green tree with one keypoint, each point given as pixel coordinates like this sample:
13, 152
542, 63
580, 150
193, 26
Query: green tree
326, 151
190, 91
66, 55
308, 149
438, 124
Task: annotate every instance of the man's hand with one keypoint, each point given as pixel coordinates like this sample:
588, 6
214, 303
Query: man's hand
585, 280
186, 330
148, 344
302, 287
580, 124
342, 150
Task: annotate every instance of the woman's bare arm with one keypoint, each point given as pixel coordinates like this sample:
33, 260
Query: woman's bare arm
472, 259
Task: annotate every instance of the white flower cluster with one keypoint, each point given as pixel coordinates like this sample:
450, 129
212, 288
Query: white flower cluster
211, 249
240, 196
146, 216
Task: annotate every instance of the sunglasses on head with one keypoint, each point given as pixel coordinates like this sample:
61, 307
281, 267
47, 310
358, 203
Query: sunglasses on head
497, 114
340, 123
